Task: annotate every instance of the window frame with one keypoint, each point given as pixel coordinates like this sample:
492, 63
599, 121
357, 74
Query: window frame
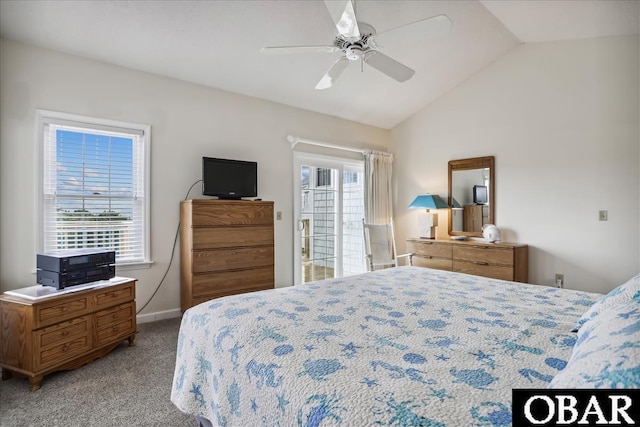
46, 117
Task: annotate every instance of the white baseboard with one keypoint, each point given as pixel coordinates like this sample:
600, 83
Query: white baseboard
159, 315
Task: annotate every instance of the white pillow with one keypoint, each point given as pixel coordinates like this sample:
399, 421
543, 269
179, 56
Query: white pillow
607, 352
623, 293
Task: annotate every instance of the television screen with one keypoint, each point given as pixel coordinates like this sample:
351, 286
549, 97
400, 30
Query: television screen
480, 195
229, 179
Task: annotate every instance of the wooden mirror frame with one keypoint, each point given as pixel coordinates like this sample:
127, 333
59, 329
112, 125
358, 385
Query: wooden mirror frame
473, 163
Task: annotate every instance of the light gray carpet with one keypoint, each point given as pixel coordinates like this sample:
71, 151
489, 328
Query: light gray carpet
131, 386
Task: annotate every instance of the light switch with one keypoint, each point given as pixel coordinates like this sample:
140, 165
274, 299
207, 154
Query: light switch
279, 215
603, 215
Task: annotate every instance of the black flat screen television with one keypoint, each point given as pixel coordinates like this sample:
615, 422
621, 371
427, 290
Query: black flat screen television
229, 179
480, 194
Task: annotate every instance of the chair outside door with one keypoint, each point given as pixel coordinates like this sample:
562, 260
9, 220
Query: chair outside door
380, 246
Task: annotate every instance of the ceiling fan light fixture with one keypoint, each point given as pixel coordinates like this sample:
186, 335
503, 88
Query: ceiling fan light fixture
354, 53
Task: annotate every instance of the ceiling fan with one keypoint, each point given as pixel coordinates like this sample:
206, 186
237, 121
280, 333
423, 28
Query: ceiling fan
358, 41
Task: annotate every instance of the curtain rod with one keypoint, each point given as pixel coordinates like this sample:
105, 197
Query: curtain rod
294, 140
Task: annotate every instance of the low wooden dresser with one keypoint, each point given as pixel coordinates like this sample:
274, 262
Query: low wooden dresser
65, 331
506, 261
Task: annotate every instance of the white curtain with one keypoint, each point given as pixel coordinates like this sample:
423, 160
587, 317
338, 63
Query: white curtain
378, 200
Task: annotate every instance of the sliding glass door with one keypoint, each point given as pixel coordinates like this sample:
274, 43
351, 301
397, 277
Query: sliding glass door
329, 207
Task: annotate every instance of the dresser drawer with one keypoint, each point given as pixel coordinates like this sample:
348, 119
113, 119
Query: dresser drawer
229, 291
437, 263
64, 331
227, 282
115, 323
115, 295
233, 258
115, 315
56, 312
429, 248
61, 342
211, 212
484, 254
115, 332
485, 270
225, 237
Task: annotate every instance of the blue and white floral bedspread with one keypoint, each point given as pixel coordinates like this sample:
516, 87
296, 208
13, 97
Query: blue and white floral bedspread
406, 347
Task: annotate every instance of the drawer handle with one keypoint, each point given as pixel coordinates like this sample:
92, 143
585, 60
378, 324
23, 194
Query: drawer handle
480, 247
65, 333
481, 263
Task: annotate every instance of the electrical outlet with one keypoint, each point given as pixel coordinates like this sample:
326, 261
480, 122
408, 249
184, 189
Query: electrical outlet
559, 280
603, 215
279, 215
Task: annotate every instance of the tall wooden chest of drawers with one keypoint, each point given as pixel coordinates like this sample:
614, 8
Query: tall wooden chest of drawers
65, 331
226, 248
506, 261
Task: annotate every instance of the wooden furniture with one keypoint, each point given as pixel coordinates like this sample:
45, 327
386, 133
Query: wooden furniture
64, 331
226, 247
506, 261
474, 217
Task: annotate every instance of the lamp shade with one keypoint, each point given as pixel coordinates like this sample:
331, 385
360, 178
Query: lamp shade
455, 204
429, 201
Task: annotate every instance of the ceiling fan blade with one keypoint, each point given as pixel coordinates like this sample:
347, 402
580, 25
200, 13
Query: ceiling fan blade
332, 74
418, 30
344, 16
282, 50
389, 66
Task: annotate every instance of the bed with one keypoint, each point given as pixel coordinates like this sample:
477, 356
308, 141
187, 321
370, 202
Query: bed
404, 346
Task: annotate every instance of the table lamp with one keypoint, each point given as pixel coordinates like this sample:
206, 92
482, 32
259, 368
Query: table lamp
428, 221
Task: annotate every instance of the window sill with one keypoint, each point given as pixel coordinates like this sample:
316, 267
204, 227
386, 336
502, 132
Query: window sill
134, 266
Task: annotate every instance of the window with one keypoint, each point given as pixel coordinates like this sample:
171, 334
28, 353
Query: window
93, 186
329, 207
323, 176
350, 177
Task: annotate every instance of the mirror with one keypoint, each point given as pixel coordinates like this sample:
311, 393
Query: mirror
471, 195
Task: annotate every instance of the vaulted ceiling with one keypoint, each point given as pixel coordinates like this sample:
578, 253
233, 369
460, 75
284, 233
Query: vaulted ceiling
217, 43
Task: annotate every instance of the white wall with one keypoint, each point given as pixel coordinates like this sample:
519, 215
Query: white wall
187, 122
561, 120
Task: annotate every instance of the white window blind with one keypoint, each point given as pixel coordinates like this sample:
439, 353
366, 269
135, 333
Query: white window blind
94, 187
